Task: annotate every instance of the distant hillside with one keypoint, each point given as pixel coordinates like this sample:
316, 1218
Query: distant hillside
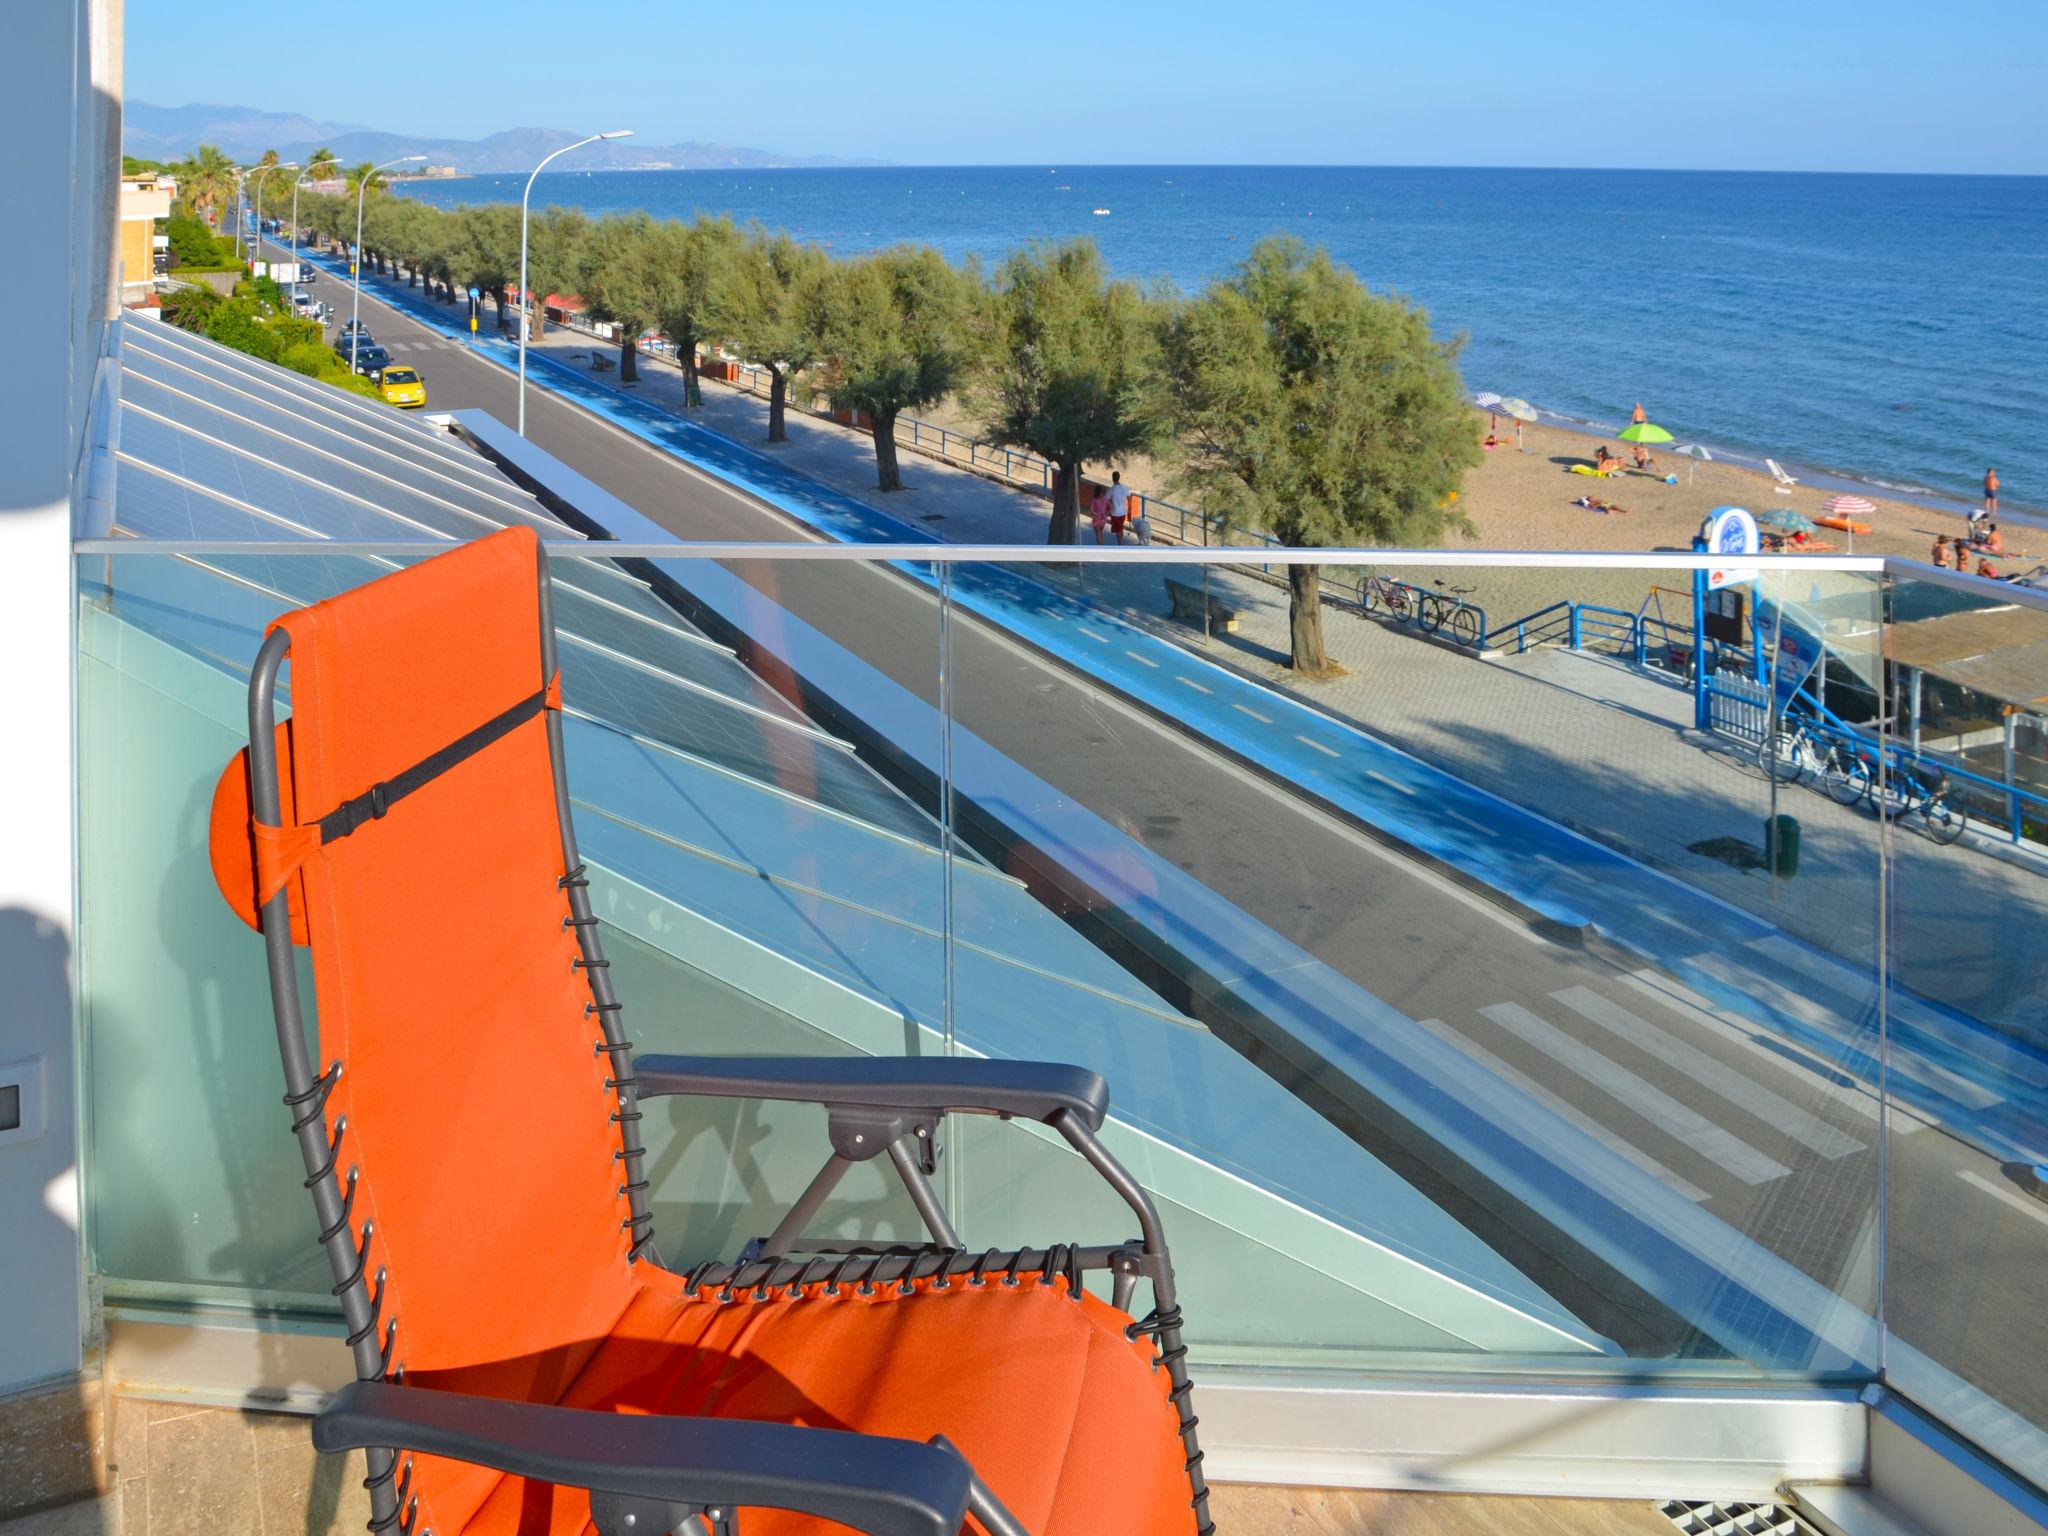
169, 133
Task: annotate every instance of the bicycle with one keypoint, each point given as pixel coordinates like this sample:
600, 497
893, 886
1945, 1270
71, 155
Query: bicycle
1794, 752
1447, 605
1922, 790
1377, 592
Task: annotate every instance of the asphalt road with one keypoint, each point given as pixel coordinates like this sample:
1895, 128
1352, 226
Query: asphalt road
1780, 1154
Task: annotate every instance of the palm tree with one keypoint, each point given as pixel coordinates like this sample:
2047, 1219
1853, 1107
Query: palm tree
207, 181
366, 172
323, 166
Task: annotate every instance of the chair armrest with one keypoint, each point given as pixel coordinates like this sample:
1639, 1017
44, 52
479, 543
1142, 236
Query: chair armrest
1037, 1090
884, 1486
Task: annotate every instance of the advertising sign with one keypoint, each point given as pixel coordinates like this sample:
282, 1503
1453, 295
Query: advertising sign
1731, 531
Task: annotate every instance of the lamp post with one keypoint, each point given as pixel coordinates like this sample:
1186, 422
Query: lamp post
524, 298
262, 171
355, 265
297, 183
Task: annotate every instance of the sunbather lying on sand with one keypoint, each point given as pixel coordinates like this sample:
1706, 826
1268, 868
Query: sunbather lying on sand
1595, 504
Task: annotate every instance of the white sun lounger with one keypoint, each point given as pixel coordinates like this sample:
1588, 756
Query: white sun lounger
1785, 481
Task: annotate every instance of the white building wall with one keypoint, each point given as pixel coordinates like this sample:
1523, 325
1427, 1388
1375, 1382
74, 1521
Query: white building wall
60, 105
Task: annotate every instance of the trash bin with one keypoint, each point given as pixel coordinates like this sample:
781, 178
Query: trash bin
1781, 845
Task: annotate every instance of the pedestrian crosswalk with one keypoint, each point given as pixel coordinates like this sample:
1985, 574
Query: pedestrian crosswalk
1659, 1077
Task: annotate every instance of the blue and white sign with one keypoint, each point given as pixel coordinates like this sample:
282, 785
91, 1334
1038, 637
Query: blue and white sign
1731, 531
475, 294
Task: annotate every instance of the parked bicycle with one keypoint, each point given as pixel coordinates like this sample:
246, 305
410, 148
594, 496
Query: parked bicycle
1447, 607
1922, 790
1396, 599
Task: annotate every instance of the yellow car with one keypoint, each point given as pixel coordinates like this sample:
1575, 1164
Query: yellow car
402, 387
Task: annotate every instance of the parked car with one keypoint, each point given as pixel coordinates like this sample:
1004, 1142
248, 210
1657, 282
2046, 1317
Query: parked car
354, 328
404, 387
370, 359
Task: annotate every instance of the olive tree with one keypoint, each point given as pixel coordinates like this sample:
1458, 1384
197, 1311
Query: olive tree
690, 260
894, 333
1063, 365
1312, 408
768, 304
619, 277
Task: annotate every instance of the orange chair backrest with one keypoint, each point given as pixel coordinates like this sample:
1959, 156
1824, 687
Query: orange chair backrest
479, 1119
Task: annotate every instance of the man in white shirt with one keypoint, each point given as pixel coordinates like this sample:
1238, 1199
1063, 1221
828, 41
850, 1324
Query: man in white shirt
1119, 503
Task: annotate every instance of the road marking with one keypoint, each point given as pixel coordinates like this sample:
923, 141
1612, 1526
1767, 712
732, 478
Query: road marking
2007, 1058
1477, 826
1844, 1020
1147, 660
1192, 683
1248, 710
1326, 751
2011, 1197
1816, 1075
1653, 1104
1380, 778
1576, 1118
1090, 634
1709, 1072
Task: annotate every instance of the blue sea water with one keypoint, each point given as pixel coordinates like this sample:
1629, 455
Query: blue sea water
1880, 329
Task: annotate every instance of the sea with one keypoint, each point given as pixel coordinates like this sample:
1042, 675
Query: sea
1887, 333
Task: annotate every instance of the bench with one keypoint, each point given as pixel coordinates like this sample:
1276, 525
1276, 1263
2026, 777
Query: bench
601, 364
1189, 603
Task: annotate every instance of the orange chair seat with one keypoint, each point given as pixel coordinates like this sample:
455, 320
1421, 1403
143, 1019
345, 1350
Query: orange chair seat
1065, 1418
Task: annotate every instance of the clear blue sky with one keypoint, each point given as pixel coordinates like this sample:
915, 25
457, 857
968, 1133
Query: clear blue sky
1881, 85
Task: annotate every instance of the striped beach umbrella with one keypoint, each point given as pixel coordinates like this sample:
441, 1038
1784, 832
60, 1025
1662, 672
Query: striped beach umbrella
1486, 400
1848, 509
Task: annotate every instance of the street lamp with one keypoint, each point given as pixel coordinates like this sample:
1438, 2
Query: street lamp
262, 172
355, 265
524, 298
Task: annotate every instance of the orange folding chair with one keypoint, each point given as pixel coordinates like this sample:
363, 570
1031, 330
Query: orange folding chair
525, 1363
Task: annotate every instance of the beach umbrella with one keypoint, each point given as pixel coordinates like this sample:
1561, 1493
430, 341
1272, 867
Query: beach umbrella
1644, 432
1695, 452
1489, 402
1847, 509
1785, 520
1521, 410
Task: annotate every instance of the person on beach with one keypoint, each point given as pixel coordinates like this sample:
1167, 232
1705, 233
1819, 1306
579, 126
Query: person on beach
1606, 508
1607, 463
1991, 493
1994, 541
1098, 512
1639, 417
1986, 568
1644, 461
1940, 556
1119, 503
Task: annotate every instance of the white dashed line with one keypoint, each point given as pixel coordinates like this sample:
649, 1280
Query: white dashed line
1091, 635
1192, 683
1247, 709
1326, 751
2011, 1197
1380, 778
1147, 660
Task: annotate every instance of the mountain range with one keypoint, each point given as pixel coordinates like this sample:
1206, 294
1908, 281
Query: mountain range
151, 132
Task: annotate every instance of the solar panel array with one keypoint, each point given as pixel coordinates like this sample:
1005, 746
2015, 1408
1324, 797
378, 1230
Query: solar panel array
216, 445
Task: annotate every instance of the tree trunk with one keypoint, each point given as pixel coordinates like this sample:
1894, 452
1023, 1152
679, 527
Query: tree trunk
539, 323
498, 298
629, 359
1305, 621
778, 397
890, 476
412, 277
1065, 527
686, 351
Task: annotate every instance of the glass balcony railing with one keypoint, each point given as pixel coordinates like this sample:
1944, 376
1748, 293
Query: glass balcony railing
1548, 987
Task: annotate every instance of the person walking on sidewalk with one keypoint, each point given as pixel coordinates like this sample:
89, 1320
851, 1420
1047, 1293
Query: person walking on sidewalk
1098, 512
1119, 503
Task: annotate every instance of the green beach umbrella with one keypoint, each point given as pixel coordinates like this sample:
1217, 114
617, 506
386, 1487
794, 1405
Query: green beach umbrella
1644, 432
1785, 520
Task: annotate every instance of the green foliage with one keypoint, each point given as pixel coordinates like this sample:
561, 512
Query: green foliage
1317, 410
1064, 364
894, 333
689, 259
237, 324
206, 182
131, 166
618, 276
312, 358
767, 302
192, 244
190, 308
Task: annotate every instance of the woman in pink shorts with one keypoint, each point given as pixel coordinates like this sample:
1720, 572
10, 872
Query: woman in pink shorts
1098, 513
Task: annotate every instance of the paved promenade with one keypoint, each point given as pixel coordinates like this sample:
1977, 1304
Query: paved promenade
1580, 739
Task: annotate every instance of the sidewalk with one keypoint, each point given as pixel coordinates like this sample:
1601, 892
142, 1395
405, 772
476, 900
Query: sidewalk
1569, 740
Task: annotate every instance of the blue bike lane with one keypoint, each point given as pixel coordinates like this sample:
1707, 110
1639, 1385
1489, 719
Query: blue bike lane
1580, 890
